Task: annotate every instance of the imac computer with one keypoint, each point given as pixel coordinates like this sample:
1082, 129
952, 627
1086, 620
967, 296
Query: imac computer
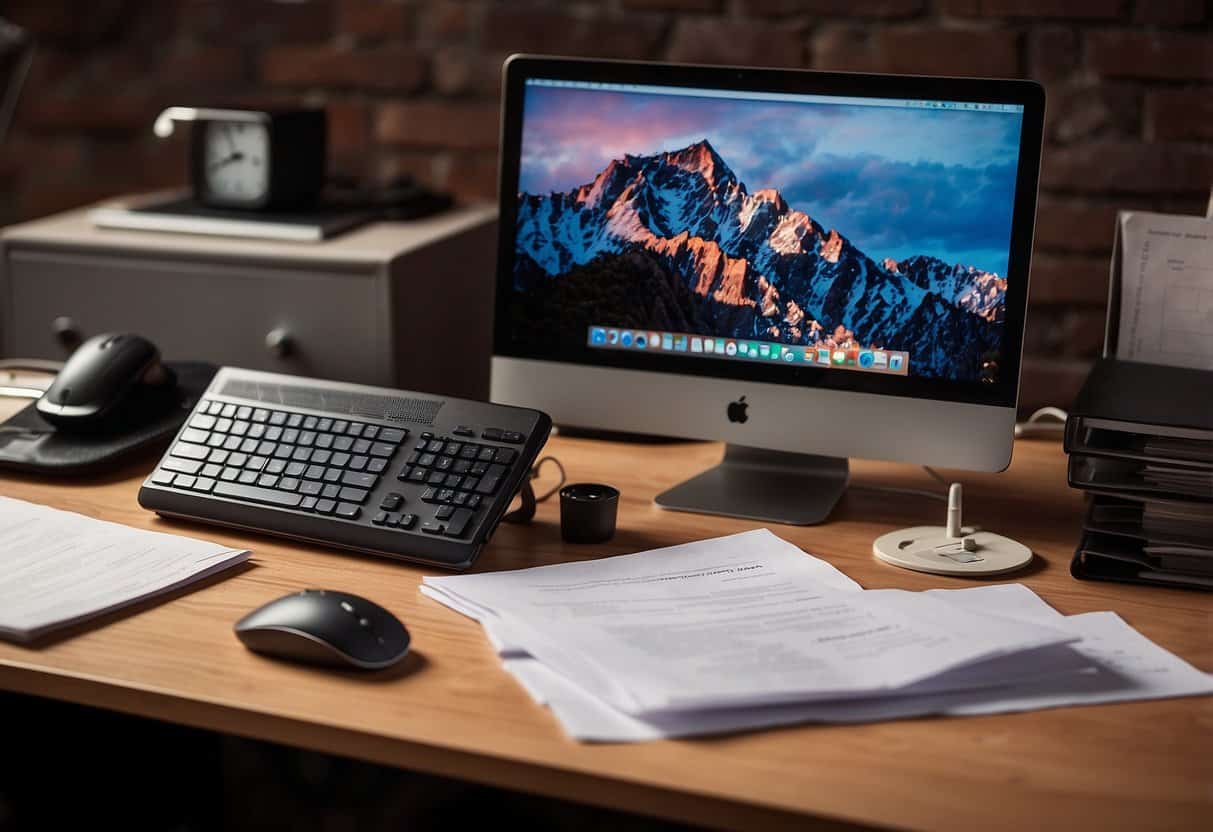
808, 266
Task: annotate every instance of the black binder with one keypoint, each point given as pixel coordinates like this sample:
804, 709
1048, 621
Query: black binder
1140, 440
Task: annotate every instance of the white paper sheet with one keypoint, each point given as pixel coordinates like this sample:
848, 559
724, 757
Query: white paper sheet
1122, 665
1166, 296
57, 568
732, 622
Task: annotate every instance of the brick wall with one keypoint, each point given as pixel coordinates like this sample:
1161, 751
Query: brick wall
411, 87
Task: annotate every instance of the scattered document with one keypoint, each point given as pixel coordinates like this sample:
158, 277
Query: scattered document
748, 631
1166, 289
58, 568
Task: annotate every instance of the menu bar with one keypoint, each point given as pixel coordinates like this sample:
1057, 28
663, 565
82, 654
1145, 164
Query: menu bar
861, 359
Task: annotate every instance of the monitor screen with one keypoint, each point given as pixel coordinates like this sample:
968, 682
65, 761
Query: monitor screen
842, 240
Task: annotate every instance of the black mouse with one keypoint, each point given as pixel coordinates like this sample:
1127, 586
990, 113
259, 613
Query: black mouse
107, 378
320, 626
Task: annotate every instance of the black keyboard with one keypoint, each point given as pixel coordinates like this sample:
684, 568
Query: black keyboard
390, 472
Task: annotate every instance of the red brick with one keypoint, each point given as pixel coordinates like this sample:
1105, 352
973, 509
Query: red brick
426, 167
462, 70
1128, 167
374, 18
381, 68
441, 124
1078, 113
980, 52
1140, 54
717, 41
1065, 332
443, 20
837, 8
60, 156
198, 65
349, 128
260, 21
1075, 225
1180, 114
1044, 9
673, 5
1170, 12
1052, 53
118, 111
473, 177
1070, 278
510, 29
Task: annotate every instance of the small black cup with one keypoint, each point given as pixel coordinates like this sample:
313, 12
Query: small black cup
587, 512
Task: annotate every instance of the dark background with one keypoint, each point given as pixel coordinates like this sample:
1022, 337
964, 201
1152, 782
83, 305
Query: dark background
412, 86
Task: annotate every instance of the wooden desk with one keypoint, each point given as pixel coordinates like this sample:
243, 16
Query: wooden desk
452, 710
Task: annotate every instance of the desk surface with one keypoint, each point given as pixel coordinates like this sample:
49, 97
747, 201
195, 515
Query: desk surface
452, 710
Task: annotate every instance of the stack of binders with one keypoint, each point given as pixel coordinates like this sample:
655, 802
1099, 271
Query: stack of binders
1140, 440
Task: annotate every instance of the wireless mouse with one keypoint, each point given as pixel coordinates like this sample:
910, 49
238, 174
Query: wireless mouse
320, 626
107, 377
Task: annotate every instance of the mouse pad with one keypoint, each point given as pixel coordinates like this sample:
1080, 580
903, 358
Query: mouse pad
30, 444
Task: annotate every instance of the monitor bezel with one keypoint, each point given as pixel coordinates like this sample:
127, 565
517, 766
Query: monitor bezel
519, 68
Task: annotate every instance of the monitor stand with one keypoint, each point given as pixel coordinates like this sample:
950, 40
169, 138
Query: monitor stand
776, 486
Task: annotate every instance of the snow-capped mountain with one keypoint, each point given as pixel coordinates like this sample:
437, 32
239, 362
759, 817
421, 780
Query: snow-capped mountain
751, 266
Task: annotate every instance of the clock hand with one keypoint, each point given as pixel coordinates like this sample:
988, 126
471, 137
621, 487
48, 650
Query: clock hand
227, 131
235, 157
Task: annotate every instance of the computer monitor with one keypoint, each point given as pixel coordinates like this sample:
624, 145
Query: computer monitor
809, 266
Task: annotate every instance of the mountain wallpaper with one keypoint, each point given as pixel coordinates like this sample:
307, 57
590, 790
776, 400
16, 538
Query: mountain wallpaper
675, 240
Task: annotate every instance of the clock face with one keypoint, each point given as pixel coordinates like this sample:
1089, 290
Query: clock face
237, 157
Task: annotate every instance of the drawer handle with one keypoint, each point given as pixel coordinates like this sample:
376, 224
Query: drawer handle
279, 342
67, 332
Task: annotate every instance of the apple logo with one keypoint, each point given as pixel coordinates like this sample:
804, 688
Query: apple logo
737, 410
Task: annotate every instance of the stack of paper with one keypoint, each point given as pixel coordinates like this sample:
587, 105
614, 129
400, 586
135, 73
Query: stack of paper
748, 631
57, 568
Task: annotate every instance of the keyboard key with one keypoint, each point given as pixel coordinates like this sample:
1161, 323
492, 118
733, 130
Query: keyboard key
211, 471
238, 460
469, 452
324, 440
452, 448
204, 484
513, 437
340, 460
492, 434
325, 506
265, 480
224, 426
359, 480
241, 428
260, 414
283, 451
307, 438
273, 433
310, 422
430, 527
290, 436
216, 440
229, 474
393, 435
249, 446
181, 466
256, 431
361, 446
295, 469
294, 420
342, 443
348, 511
308, 504
461, 466
354, 430
392, 501
253, 494
452, 481
218, 456
444, 513
430, 495
311, 487
458, 523
470, 483
314, 472
486, 454
353, 495
322, 457
474, 502
480, 468
505, 455
302, 454
444, 463
488, 484
445, 495
194, 435
435, 446
184, 481
427, 460
377, 465
460, 498
370, 432
331, 491
324, 425
463, 430
380, 518
436, 478
332, 475
275, 466
339, 425
256, 463
382, 449
244, 412
277, 418
163, 477
407, 520
392, 520
358, 463
289, 484
202, 422
266, 448
418, 475
187, 450
229, 410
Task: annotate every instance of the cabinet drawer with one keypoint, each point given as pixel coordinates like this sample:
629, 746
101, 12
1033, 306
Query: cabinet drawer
330, 325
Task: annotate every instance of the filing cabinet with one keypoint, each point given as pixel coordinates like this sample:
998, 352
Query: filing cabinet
399, 304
